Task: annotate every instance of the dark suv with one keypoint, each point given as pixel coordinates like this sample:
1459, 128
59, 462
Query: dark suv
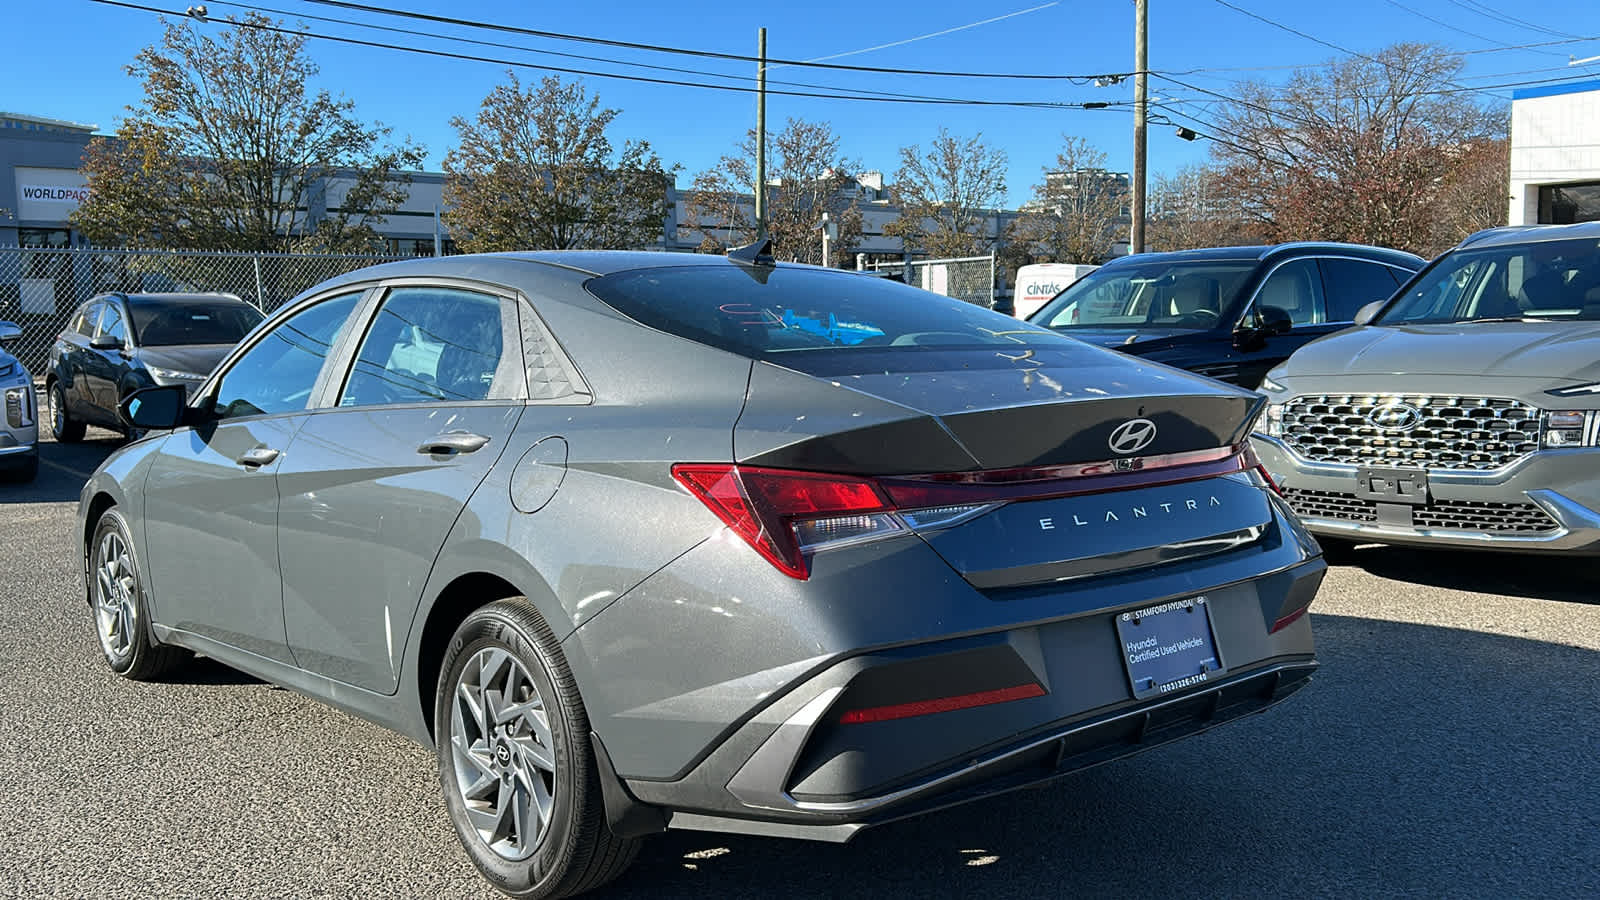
118, 343
1230, 312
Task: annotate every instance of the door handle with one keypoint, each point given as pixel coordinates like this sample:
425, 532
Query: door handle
258, 457
452, 442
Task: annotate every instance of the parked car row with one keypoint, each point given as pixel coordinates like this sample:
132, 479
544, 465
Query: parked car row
1456, 407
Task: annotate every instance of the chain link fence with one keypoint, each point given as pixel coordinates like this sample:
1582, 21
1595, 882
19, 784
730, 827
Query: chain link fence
40, 289
969, 278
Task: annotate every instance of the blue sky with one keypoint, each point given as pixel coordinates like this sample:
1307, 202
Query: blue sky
66, 61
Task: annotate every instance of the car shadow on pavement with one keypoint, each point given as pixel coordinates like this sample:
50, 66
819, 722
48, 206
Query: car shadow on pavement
1569, 579
63, 469
1422, 760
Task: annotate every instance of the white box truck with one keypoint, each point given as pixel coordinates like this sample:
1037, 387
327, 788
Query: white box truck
1037, 283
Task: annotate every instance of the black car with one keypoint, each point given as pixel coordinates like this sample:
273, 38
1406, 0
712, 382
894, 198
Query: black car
118, 343
1229, 312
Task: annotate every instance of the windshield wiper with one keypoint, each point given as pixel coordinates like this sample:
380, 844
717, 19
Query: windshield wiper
1509, 319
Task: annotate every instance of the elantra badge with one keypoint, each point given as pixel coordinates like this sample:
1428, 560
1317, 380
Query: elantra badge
1132, 436
1396, 417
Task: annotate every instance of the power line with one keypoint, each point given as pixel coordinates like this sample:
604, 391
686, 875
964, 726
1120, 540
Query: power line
390, 29
1309, 37
1495, 15
709, 54
1017, 104
933, 34
1443, 24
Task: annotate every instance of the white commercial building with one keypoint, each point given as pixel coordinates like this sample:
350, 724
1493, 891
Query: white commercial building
1555, 154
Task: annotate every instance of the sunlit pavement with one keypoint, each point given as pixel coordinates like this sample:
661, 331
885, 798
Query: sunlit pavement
1447, 748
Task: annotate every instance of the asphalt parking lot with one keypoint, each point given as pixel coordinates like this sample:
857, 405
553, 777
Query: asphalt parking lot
1448, 748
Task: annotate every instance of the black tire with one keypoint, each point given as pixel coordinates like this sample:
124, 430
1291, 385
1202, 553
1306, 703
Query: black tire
576, 850
125, 639
63, 427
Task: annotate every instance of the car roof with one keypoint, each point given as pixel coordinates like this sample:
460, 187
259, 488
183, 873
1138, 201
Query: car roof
1526, 234
174, 299
1262, 252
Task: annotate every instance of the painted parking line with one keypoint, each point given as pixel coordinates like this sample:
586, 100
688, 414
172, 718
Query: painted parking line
68, 469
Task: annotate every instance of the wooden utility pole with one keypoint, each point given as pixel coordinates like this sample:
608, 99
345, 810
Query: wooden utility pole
761, 134
1141, 113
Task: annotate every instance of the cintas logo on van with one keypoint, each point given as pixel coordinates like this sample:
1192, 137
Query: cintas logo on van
1036, 284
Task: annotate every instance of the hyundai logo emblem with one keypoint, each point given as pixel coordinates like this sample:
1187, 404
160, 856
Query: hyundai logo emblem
1395, 417
1132, 436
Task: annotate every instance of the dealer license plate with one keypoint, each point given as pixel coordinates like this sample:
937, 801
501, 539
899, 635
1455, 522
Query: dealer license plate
1168, 647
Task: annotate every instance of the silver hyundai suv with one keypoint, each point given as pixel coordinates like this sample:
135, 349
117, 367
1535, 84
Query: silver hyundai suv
1464, 411
19, 423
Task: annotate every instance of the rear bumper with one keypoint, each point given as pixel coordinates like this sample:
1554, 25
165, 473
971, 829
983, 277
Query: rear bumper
1546, 502
1060, 751
801, 768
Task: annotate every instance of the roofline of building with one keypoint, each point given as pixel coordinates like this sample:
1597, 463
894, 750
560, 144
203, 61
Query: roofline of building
44, 120
1554, 90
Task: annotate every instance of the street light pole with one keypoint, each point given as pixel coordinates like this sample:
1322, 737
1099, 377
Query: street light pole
1141, 114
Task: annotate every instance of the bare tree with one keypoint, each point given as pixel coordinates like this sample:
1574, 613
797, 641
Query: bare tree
1475, 194
1194, 208
807, 176
536, 171
948, 195
1353, 150
1076, 213
230, 147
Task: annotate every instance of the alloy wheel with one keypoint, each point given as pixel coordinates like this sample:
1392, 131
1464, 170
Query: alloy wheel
505, 768
116, 581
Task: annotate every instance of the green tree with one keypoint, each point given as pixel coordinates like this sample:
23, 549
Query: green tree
231, 146
948, 195
536, 171
808, 176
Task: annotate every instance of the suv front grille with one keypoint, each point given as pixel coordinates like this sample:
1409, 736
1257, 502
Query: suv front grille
1451, 515
1447, 432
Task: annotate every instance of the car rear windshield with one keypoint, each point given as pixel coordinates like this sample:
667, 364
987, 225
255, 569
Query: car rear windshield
1192, 294
177, 324
790, 312
1548, 280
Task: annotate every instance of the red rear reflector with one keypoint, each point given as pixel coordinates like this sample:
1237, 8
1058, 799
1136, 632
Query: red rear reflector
942, 704
1287, 620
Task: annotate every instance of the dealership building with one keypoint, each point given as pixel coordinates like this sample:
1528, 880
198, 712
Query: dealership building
1555, 154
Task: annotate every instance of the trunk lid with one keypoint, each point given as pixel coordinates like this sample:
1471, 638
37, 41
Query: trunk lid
977, 413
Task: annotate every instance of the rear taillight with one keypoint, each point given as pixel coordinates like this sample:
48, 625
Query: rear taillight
783, 514
786, 515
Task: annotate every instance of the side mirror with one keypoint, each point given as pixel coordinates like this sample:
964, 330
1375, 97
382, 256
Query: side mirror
9, 333
1274, 319
105, 342
1366, 314
154, 407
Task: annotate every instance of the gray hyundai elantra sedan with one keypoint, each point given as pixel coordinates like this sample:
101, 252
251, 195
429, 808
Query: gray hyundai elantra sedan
641, 541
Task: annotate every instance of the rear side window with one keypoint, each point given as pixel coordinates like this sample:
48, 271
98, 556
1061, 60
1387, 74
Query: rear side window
786, 312
437, 345
1351, 284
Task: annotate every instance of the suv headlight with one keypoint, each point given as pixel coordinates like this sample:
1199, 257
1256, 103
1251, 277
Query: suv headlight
1271, 421
161, 374
1569, 428
1270, 386
19, 406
